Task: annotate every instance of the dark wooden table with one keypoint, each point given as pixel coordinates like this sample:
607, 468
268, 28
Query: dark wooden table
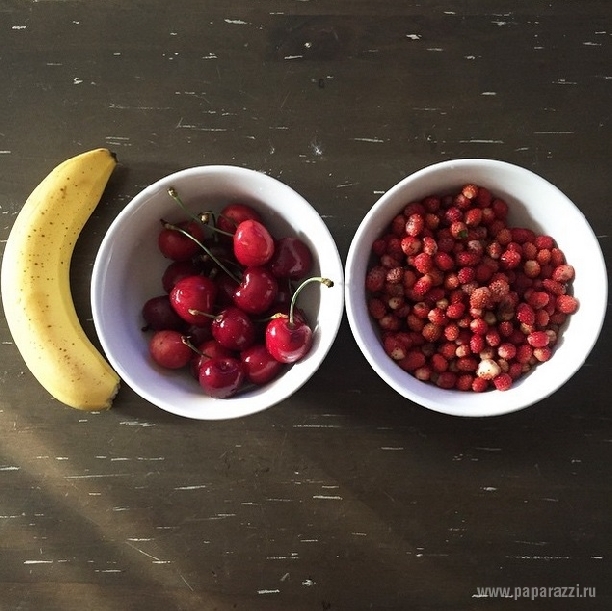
344, 496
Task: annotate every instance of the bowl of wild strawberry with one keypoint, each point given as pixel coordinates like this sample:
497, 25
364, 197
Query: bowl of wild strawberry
474, 287
217, 292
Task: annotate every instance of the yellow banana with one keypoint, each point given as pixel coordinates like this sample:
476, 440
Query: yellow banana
35, 283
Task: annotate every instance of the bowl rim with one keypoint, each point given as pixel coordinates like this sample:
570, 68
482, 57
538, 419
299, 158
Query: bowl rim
434, 398
296, 376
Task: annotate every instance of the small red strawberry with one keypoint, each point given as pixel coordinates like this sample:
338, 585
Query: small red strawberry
538, 339
375, 279
481, 298
566, 304
525, 313
502, 382
563, 273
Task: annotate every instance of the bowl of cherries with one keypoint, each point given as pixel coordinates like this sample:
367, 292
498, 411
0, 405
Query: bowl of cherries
217, 292
475, 287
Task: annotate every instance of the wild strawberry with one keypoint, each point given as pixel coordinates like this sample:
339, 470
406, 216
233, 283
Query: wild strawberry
431, 332
467, 258
466, 274
480, 384
377, 308
477, 343
431, 203
515, 370
423, 373
492, 337
544, 241
414, 323
500, 207
394, 348
413, 360
530, 250
410, 245
488, 369
459, 230
447, 380
502, 382
542, 318
379, 247
566, 304
408, 279
542, 354
563, 273
388, 260
438, 362
478, 326
398, 224
481, 297
447, 350
467, 363
437, 316
538, 339
552, 286
423, 262
472, 217
510, 259
506, 351
451, 332
432, 221
494, 250
522, 234
375, 279
421, 287
389, 322
461, 201
464, 382
543, 256
455, 310
396, 303
395, 275
451, 215
556, 256
415, 225
532, 268
443, 261
499, 288
525, 313
524, 352
415, 207
538, 299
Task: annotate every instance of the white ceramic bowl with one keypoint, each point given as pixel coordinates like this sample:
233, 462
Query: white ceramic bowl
533, 202
128, 270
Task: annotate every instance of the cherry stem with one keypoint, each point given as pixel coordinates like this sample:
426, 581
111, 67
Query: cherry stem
325, 281
203, 218
202, 246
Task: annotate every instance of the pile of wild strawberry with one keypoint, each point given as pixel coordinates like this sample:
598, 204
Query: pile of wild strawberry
463, 300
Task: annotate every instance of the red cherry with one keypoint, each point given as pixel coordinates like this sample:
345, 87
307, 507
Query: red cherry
260, 366
177, 270
159, 314
233, 329
221, 377
226, 287
256, 291
289, 339
205, 351
292, 258
193, 299
176, 245
233, 214
169, 350
253, 244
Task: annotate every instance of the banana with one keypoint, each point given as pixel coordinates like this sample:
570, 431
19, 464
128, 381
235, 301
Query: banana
35, 284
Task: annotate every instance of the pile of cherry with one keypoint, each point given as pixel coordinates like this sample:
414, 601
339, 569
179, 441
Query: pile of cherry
228, 312
463, 300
